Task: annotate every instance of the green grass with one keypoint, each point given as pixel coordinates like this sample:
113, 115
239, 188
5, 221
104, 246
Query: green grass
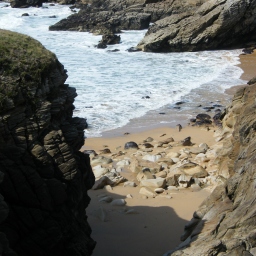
23, 64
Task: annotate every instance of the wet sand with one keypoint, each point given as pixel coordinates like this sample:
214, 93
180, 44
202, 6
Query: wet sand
158, 223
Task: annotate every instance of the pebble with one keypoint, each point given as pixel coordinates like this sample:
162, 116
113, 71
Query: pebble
118, 202
129, 196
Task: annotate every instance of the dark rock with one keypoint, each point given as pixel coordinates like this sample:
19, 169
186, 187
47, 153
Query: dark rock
46, 177
217, 105
192, 120
101, 16
179, 102
26, 3
248, 50
203, 117
53, 16
145, 97
115, 50
101, 46
187, 142
161, 113
133, 49
252, 81
208, 108
110, 39
25, 14
131, 144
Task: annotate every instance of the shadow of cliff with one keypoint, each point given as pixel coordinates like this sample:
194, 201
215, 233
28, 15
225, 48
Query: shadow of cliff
149, 230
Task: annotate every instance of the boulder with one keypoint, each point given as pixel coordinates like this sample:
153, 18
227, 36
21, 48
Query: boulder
147, 192
137, 166
131, 145
154, 183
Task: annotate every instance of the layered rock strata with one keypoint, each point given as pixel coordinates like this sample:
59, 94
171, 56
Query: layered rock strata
44, 176
225, 222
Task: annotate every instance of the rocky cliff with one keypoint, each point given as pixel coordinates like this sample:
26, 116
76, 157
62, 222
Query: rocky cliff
179, 25
225, 222
44, 177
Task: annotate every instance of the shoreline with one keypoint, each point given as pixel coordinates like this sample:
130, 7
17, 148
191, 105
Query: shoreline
170, 115
159, 222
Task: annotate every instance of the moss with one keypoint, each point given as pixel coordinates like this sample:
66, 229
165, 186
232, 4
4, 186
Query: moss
23, 64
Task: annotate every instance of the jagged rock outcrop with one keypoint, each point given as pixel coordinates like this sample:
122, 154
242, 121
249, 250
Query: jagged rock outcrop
103, 17
212, 25
44, 176
26, 3
179, 25
225, 222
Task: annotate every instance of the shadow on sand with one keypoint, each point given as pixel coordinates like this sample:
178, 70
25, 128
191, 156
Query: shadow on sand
149, 230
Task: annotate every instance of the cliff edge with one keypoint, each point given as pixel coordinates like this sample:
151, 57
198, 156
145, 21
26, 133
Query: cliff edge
44, 177
225, 222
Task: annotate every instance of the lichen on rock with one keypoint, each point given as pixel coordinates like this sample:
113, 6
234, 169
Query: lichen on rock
45, 177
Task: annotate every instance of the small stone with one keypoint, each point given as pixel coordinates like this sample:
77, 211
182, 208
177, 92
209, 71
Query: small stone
149, 139
129, 196
129, 184
131, 144
159, 190
118, 202
108, 188
106, 199
147, 192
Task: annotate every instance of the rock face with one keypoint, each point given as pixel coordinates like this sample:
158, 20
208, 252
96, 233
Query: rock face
44, 176
26, 3
102, 17
180, 25
212, 25
225, 222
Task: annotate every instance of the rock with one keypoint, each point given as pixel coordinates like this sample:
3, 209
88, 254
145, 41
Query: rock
129, 196
147, 145
151, 158
99, 171
145, 174
106, 199
208, 20
161, 174
159, 190
45, 177
149, 139
90, 152
154, 183
105, 17
184, 180
105, 151
115, 50
26, 3
53, 16
110, 39
133, 49
25, 14
138, 165
173, 154
131, 145
147, 192
129, 184
118, 202
197, 150
101, 46
102, 182
101, 160
186, 142
123, 163
194, 170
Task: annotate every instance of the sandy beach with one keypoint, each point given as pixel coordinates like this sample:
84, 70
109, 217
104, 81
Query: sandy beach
154, 225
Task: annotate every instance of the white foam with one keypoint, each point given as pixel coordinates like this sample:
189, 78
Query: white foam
114, 83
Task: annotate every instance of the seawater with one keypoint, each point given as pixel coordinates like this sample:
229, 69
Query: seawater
112, 86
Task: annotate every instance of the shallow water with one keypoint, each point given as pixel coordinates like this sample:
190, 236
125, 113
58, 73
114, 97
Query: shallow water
112, 85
